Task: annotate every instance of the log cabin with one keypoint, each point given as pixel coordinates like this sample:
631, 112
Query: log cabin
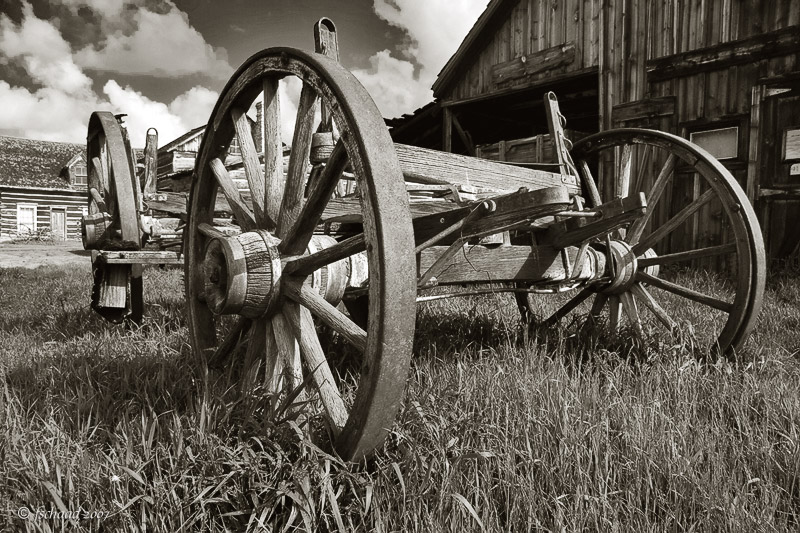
723, 73
42, 188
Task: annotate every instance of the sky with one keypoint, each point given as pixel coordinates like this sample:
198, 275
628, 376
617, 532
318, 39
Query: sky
164, 62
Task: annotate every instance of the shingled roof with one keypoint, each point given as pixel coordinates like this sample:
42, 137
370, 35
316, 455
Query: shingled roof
31, 163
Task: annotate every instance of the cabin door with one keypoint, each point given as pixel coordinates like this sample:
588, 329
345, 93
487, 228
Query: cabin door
58, 223
779, 187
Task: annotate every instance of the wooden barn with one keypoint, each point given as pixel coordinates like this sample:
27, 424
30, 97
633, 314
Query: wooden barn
723, 73
42, 188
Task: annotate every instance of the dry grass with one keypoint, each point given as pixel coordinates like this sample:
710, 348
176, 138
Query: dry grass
499, 431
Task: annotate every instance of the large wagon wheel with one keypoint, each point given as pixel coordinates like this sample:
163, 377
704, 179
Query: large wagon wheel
274, 312
652, 162
113, 220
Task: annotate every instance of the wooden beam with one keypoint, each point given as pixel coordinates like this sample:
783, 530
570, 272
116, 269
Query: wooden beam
511, 263
141, 258
550, 81
544, 60
447, 130
645, 108
422, 165
765, 45
464, 135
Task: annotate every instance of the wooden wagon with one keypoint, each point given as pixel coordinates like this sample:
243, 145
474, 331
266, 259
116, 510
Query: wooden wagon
301, 248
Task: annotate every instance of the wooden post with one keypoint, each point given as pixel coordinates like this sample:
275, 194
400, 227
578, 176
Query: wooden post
447, 129
151, 162
753, 148
464, 135
327, 43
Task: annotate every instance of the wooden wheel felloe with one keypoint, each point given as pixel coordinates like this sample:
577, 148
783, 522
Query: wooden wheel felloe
113, 219
644, 252
266, 281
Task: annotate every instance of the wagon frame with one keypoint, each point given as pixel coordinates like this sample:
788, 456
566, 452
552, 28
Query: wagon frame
305, 245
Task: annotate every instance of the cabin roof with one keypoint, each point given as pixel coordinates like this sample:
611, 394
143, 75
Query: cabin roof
32, 163
189, 135
494, 11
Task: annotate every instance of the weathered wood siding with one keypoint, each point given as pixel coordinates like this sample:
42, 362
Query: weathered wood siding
687, 65
554, 38
73, 203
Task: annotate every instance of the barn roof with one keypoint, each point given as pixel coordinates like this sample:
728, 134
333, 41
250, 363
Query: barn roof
32, 163
495, 11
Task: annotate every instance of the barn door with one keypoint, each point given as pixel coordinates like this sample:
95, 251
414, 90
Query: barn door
58, 223
779, 176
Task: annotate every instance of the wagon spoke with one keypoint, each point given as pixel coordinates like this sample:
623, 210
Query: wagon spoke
589, 183
272, 360
614, 306
328, 314
256, 342
673, 223
298, 160
303, 326
240, 210
699, 253
644, 295
273, 148
641, 171
306, 264
288, 354
296, 239
624, 173
685, 292
652, 197
632, 312
574, 302
251, 164
229, 342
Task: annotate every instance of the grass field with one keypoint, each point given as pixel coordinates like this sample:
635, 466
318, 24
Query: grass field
500, 431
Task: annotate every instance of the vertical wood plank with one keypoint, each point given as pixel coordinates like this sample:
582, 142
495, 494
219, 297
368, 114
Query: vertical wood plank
447, 129
752, 154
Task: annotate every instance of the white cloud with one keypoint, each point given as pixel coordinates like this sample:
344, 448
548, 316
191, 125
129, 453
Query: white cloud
106, 8
390, 82
46, 114
194, 106
161, 45
58, 107
44, 52
435, 29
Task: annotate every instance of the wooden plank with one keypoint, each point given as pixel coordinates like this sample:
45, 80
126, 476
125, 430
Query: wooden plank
541, 264
535, 63
774, 43
645, 108
447, 129
431, 166
141, 258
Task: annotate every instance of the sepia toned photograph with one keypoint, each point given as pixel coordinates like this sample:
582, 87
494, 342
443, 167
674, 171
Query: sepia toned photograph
399, 265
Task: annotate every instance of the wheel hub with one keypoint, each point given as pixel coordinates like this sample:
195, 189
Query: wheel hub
624, 265
242, 274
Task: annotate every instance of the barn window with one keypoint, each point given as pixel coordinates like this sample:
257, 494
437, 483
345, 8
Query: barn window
26, 218
791, 144
722, 143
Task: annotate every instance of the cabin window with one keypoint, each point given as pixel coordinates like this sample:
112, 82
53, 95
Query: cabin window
791, 144
80, 174
722, 143
26, 218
